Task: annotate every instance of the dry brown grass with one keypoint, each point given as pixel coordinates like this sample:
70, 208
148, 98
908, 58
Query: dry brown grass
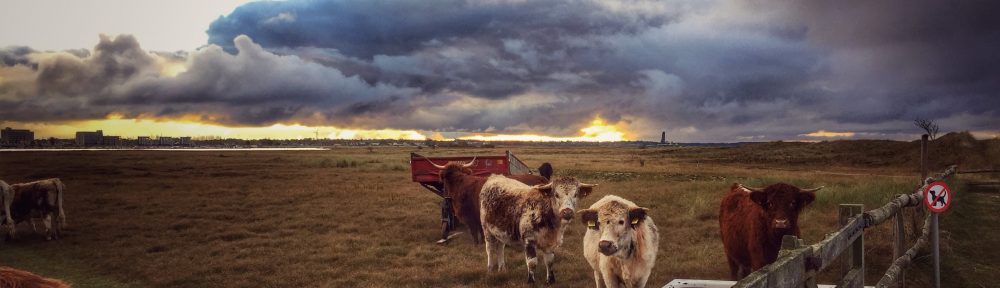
351, 218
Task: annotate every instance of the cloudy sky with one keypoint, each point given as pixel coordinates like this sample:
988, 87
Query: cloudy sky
588, 69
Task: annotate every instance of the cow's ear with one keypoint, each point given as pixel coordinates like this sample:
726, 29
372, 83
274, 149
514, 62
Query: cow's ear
805, 198
589, 218
585, 190
545, 189
636, 215
760, 197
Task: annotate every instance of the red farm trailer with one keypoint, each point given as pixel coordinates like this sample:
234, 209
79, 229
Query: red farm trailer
427, 175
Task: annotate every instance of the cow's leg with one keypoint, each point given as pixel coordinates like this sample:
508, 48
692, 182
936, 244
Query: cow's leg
734, 270
550, 260
756, 262
531, 257
48, 226
494, 254
640, 282
611, 280
598, 279
8, 220
56, 225
34, 221
475, 230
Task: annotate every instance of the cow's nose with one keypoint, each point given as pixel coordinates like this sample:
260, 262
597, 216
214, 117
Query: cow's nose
606, 247
781, 223
566, 213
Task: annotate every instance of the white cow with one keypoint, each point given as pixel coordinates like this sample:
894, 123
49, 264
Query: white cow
621, 242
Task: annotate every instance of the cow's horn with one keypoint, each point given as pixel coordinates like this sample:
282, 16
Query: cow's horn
440, 167
543, 186
587, 185
752, 189
469, 165
813, 189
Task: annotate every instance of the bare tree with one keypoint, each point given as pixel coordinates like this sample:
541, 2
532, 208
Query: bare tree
928, 125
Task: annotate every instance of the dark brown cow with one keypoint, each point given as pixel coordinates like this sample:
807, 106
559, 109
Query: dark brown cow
753, 221
13, 278
464, 188
44, 198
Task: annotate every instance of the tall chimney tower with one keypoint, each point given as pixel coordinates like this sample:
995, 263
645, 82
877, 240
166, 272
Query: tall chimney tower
663, 137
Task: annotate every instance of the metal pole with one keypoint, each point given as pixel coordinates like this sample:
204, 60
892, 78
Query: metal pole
937, 252
934, 216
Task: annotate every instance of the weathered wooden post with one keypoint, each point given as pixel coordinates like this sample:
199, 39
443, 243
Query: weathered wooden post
898, 250
854, 262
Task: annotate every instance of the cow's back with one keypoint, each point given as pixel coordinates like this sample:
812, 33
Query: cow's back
467, 198
530, 179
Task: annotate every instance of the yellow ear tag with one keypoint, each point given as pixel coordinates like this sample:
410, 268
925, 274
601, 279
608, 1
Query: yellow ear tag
635, 221
591, 223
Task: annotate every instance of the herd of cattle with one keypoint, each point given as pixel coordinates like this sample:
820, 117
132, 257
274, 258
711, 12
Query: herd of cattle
621, 241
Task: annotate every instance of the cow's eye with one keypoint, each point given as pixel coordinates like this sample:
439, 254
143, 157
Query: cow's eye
621, 222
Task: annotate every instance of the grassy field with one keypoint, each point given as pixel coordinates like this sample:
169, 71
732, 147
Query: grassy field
351, 218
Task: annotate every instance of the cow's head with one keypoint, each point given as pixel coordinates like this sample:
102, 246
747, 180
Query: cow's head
782, 204
616, 223
453, 169
564, 192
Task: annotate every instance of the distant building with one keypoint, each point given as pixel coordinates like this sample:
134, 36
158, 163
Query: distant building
111, 140
10, 136
144, 141
89, 138
167, 141
663, 137
186, 141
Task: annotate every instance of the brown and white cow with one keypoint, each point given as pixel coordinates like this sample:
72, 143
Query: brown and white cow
621, 242
13, 278
44, 198
753, 221
533, 216
464, 188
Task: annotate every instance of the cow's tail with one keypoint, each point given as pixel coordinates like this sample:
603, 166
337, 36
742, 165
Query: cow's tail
59, 201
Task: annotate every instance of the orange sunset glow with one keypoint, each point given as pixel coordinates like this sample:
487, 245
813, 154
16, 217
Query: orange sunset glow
598, 131
115, 124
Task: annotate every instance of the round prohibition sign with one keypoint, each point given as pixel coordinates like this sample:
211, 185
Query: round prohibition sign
938, 197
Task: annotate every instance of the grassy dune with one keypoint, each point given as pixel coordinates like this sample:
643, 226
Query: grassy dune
352, 218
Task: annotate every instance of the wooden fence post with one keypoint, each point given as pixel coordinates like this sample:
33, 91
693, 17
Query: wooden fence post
899, 231
854, 262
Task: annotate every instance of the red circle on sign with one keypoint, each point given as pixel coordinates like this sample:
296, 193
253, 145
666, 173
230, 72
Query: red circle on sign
946, 196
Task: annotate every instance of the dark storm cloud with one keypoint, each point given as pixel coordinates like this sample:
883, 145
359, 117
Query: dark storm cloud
701, 70
254, 87
364, 29
937, 57
15, 55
